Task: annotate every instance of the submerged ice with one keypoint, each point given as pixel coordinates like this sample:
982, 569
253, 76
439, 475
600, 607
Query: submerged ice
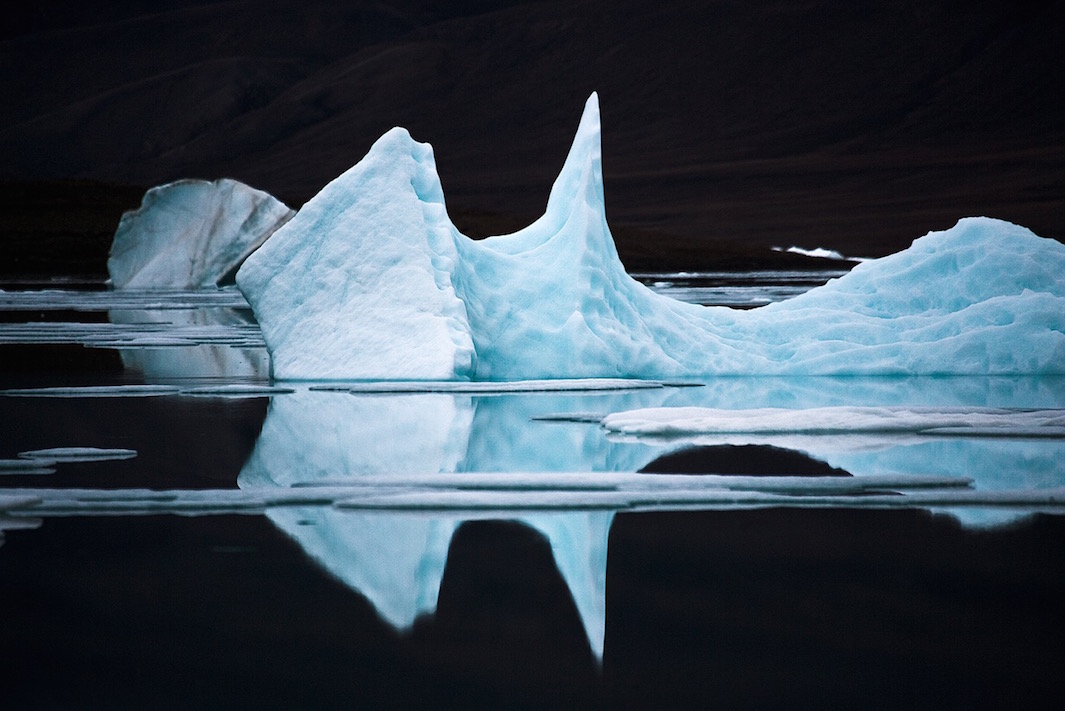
372, 280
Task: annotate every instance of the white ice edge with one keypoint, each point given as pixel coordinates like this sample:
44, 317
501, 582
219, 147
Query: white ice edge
598, 481
79, 454
237, 390
58, 502
126, 299
91, 391
488, 387
18, 467
667, 422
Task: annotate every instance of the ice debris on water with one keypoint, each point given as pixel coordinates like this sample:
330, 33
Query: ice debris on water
371, 280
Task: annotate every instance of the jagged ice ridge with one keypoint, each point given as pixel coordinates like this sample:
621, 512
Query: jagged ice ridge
371, 280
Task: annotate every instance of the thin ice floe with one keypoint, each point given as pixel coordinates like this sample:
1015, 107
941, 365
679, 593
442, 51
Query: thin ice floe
499, 387
158, 299
14, 501
80, 454
94, 391
19, 467
130, 335
971, 422
700, 492
237, 390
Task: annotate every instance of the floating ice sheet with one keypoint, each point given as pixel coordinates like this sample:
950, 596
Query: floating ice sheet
237, 390
18, 467
130, 335
124, 300
79, 454
646, 496
12, 501
951, 421
94, 391
484, 388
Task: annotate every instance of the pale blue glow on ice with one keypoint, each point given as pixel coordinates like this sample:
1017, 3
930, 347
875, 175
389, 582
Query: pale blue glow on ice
371, 280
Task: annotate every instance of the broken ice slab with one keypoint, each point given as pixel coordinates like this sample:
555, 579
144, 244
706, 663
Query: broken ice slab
19, 467
604, 481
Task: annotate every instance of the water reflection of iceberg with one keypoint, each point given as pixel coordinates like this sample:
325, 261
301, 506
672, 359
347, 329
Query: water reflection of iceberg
397, 560
215, 349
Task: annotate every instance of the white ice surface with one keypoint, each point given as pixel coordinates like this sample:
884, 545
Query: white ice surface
191, 233
372, 280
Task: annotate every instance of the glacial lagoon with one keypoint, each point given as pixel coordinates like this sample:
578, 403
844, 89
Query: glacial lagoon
179, 530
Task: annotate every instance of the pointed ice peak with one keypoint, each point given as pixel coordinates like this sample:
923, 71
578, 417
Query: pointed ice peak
584, 163
398, 155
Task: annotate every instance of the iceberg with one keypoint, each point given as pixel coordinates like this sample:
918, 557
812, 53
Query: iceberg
371, 280
191, 233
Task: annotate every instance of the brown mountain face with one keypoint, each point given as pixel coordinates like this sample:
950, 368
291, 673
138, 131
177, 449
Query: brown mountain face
856, 126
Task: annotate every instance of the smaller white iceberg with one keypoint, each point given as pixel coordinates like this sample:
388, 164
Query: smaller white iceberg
192, 233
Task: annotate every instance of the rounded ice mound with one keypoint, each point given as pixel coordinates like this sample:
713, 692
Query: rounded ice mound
191, 233
371, 280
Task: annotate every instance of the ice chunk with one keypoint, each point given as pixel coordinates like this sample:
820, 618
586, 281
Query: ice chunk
191, 233
372, 280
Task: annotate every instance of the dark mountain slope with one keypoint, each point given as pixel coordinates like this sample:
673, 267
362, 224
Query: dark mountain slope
812, 122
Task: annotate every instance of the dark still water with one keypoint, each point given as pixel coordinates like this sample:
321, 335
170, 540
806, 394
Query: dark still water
178, 531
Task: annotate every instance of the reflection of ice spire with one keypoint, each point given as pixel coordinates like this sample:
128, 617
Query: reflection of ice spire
397, 560
579, 543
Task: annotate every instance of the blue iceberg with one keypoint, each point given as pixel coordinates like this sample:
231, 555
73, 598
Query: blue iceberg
371, 280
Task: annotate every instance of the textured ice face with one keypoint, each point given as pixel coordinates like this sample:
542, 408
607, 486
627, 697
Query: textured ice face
358, 283
191, 233
372, 280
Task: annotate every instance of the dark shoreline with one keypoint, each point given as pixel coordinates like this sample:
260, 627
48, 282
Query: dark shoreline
63, 229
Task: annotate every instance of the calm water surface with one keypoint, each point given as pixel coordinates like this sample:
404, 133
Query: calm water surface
156, 570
